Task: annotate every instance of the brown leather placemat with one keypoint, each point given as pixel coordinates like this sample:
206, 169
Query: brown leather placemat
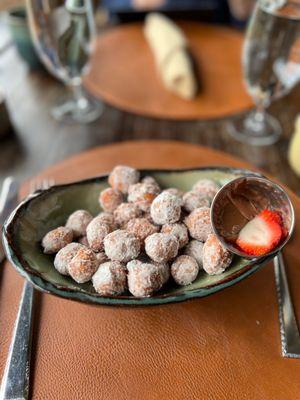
123, 74
225, 346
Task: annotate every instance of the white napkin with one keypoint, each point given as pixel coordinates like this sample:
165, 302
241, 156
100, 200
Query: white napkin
170, 50
294, 148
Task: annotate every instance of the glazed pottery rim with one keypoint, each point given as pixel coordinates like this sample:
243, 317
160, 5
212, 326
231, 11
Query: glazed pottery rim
36, 278
235, 250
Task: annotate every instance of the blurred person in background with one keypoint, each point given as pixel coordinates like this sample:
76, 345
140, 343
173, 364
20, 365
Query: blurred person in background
233, 12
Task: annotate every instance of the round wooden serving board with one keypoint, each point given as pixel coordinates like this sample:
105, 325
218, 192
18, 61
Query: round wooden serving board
123, 74
225, 346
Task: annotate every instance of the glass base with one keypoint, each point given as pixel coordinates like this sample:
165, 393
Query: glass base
83, 111
256, 129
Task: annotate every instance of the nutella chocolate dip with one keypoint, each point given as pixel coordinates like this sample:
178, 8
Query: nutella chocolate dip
241, 200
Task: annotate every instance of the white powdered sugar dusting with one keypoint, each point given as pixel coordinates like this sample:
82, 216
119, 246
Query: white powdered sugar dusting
179, 230
96, 232
110, 278
56, 239
184, 270
121, 246
215, 257
78, 221
166, 208
161, 247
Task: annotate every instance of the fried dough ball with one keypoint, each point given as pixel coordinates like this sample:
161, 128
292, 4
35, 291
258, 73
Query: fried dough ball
194, 199
144, 278
108, 219
179, 230
96, 231
83, 265
122, 177
165, 272
177, 192
65, 256
161, 247
121, 246
110, 199
215, 257
78, 221
152, 181
195, 249
125, 212
198, 223
110, 278
141, 228
142, 195
56, 239
165, 208
206, 187
184, 270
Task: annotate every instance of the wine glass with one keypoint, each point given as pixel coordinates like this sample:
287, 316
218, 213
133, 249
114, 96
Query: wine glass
271, 66
63, 33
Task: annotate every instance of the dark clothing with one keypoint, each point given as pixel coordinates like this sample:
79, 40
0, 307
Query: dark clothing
204, 10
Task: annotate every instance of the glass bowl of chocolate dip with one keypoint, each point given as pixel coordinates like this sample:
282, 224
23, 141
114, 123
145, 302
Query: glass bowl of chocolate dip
243, 198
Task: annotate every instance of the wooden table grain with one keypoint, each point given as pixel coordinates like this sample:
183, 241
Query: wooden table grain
40, 141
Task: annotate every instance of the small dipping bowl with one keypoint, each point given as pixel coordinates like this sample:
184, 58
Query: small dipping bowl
241, 200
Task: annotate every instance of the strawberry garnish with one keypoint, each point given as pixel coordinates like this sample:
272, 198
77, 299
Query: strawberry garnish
262, 234
269, 215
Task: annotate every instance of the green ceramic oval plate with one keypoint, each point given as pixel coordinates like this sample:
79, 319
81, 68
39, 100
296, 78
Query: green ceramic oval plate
45, 210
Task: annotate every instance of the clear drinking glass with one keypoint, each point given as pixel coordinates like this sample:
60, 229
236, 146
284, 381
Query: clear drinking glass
63, 34
271, 66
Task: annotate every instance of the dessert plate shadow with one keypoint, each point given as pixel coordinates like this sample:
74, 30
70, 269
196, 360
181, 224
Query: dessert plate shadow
45, 210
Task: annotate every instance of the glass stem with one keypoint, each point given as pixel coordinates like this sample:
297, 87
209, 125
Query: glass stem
79, 97
256, 120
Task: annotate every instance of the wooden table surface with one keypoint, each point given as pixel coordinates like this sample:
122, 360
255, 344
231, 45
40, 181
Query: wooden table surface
39, 141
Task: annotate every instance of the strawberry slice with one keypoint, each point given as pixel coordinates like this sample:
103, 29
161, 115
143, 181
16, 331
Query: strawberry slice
262, 234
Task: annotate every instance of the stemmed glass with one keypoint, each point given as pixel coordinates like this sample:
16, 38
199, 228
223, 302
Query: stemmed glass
271, 66
63, 33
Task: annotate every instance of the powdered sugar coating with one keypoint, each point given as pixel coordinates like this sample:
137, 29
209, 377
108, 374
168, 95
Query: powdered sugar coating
110, 278
164, 271
125, 212
110, 199
142, 194
122, 177
177, 192
121, 246
96, 232
195, 249
161, 247
144, 278
78, 221
194, 199
165, 208
150, 180
198, 223
141, 228
215, 257
206, 187
83, 265
65, 256
108, 219
179, 230
184, 270
56, 239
